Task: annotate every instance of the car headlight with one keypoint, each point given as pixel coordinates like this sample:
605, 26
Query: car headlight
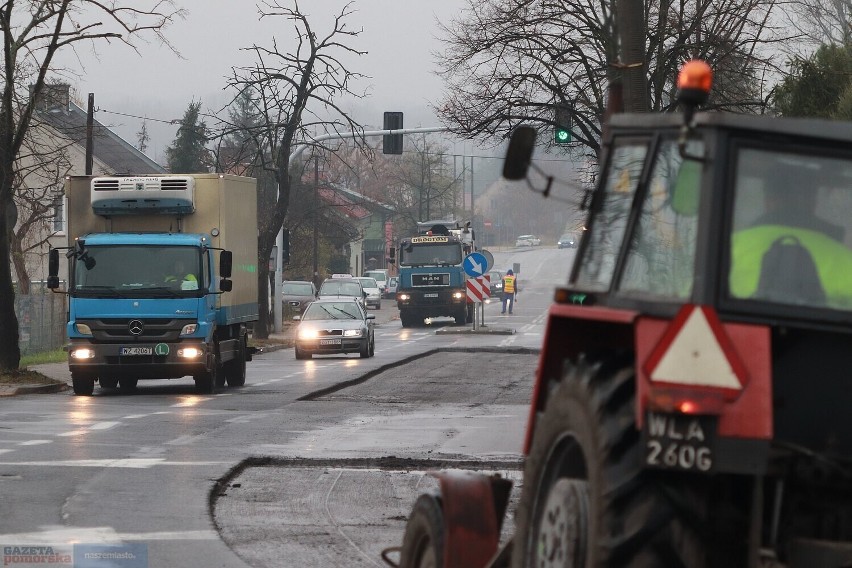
308, 333
353, 332
83, 329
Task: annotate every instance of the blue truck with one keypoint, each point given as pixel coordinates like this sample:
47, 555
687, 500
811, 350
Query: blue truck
162, 279
431, 275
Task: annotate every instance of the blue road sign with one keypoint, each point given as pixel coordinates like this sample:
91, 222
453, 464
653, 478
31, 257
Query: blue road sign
475, 264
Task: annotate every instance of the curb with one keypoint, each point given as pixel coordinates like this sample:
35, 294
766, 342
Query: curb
9, 390
480, 331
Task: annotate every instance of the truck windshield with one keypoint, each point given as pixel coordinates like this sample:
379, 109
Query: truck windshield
431, 254
126, 270
792, 232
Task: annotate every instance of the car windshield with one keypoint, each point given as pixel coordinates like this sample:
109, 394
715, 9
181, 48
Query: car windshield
369, 282
378, 275
297, 289
332, 310
340, 288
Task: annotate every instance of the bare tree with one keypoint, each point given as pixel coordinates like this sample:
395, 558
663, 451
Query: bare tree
820, 22
40, 170
295, 93
34, 31
509, 62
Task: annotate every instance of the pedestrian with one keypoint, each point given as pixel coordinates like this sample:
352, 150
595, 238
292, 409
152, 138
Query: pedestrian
510, 288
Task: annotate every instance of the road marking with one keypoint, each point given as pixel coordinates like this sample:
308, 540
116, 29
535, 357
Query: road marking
103, 425
35, 442
73, 433
98, 535
126, 463
6, 451
132, 416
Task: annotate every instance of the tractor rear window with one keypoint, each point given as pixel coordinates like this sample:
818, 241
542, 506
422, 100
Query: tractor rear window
609, 222
792, 231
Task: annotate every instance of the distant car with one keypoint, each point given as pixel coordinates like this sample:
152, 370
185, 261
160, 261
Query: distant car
496, 281
527, 241
381, 275
342, 288
374, 294
296, 295
393, 285
335, 325
567, 241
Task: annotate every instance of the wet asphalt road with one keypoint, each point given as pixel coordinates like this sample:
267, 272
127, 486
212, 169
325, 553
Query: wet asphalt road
312, 463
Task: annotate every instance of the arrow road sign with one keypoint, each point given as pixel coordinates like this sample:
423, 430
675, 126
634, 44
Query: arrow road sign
475, 264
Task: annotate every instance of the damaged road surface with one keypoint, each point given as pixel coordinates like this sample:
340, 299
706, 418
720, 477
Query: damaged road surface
339, 494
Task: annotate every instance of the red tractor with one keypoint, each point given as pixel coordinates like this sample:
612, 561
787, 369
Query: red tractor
691, 399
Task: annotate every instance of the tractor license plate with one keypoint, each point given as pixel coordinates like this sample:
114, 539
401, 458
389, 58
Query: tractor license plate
680, 441
330, 342
137, 351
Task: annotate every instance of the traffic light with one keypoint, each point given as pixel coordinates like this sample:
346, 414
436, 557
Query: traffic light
392, 143
562, 118
285, 246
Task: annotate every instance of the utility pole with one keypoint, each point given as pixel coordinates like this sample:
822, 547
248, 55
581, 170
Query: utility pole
316, 220
630, 19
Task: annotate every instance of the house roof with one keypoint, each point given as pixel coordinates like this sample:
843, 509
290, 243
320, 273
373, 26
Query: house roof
120, 156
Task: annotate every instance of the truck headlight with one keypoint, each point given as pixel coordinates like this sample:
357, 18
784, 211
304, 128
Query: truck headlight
404, 297
82, 353
457, 295
352, 332
190, 353
83, 329
189, 329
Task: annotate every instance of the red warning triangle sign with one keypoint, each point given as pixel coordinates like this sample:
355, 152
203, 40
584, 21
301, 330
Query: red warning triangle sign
696, 351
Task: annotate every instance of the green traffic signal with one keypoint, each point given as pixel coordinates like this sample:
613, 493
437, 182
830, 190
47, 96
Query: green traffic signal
562, 136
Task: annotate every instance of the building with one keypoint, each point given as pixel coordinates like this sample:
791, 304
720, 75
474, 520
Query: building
56, 148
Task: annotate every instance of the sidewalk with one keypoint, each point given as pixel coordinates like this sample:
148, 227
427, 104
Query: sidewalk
56, 371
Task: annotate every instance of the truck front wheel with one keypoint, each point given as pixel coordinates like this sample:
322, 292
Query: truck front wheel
83, 385
587, 500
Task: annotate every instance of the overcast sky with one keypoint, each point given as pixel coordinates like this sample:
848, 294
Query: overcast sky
399, 36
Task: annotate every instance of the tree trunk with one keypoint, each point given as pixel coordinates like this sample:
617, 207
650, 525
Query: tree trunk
18, 260
10, 350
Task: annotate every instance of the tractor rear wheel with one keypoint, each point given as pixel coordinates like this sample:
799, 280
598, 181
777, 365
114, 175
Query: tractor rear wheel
423, 541
587, 500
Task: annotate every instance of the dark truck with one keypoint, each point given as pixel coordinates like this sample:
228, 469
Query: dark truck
690, 405
431, 275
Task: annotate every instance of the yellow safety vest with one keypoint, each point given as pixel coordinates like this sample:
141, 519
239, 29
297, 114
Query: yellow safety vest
832, 259
509, 284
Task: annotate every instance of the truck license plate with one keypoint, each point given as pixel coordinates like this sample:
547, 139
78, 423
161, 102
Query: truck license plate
137, 350
430, 295
330, 341
678, 441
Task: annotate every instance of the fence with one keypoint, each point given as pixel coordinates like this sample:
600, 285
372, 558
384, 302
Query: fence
41, 321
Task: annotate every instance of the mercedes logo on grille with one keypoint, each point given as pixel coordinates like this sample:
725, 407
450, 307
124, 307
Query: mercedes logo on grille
136, 327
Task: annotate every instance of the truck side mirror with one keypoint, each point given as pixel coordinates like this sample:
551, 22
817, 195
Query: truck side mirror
226, 259
53, 269
392, 256
226, 285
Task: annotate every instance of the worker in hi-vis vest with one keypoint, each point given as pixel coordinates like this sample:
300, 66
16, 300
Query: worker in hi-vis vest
510, 288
